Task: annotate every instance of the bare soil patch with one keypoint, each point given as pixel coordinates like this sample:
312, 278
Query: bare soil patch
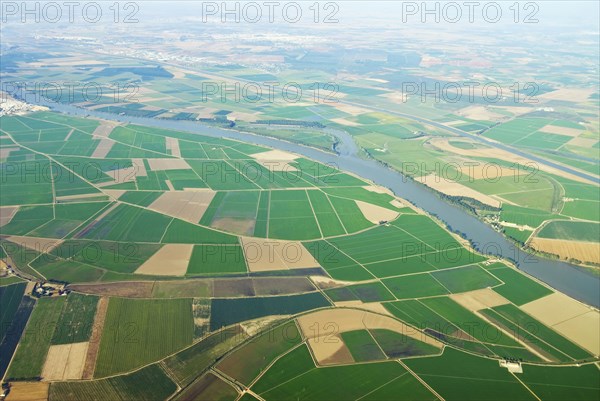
173, 146
583, 142
267, 254
103, 147
94, 343
233, 225
274, 155
35, 243
553, 129
574, 320
452, 188
170, 260
65, 361
479, 299
7, 213
168, 164
28, 391
376, 214
330, 351
186, 205
580, 250
126, 289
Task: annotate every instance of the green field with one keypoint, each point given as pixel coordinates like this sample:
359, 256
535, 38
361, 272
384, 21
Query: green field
369, 381
571, 230
187, 364
247, 362
482, 377
76, 319
10, 298
33, 347
137, 332
517, 287
208, 387
213, 259
227, 311
149, 383
362, 346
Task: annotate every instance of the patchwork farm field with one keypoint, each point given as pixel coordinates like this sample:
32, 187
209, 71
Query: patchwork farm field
197, 268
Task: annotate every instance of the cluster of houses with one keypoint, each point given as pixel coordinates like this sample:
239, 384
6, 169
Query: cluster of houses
49, 290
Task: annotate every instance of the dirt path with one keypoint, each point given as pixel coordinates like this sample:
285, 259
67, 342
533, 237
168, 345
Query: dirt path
94, 346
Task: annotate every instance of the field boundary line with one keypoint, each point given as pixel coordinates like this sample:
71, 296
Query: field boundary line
421, 380
314, 213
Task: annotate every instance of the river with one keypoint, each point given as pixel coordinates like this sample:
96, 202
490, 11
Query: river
575, 282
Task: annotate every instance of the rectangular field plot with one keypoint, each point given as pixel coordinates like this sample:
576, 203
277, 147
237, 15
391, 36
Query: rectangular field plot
128, 223
236, 212
484, 378
67, 217
137, 332
561, 383
414, 286
31, 353
217, 259
291, 216
76, 319
571, 230
327, 217
517, 287
396, 345
19, 188
337, 264
465, 279
149, 383
225, 312
10, 298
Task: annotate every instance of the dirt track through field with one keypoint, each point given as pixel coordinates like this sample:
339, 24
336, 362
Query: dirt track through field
94, 343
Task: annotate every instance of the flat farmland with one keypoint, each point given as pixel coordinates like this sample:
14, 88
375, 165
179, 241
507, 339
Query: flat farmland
128, 223
362, 346
227, 311
137, 332
208, 387
483, 377
217, 259
149, 383
517, 287
33, 347
373, 381
571, 230
291, 216
10, 298
187, 364
76, 319
465, 279
247, 362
